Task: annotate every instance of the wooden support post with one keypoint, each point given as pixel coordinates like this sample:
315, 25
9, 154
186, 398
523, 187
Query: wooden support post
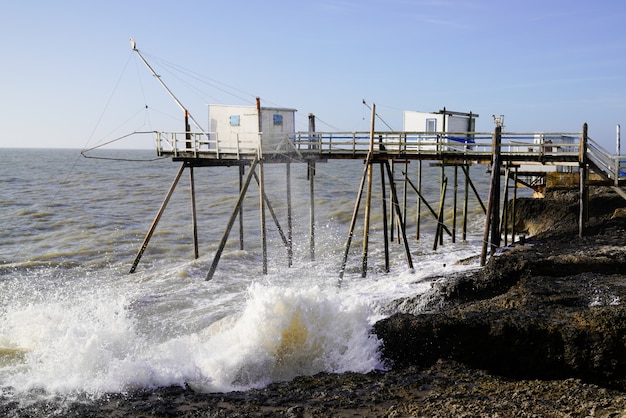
311, 178
419, 200
504, 225
492, 208
513, 208
231, 220
465, 202
194, 223
273, 214
385, 225
289, 217
404, 191
432, 211
582, 161
442, 199
262, 213
241, 242
311, 174
495, 213
355, 213
146, 240
392, 215
368, 198
469, 180
396, 205
454, 201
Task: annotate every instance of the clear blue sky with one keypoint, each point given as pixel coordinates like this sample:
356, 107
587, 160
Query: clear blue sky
69, 78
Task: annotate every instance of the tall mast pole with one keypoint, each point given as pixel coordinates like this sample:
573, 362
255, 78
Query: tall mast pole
158, 77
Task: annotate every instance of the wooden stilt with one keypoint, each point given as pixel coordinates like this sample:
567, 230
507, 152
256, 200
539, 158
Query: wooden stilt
311, 174
267, 202
396, 207
289, 218
392, 215
194, 223
311, 178
262, 213
492, 207
513, 209
439, 231
156, 219
430, 209
465, 202
404, 191
231, 220
495, 213
385, 225
469, 180
241, 242
454, 202
355, 213
368, 199
582, 155
505, 206
419, 200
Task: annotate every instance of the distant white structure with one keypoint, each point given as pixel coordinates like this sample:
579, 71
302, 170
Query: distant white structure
235, 128
438, 128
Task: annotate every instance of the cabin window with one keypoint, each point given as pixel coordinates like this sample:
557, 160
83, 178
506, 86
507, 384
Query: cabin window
235, 120
278, 120
431, 125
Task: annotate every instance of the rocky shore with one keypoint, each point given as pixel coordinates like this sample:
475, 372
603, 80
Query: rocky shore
540, 331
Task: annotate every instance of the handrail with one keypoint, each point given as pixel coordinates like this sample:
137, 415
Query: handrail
541, 147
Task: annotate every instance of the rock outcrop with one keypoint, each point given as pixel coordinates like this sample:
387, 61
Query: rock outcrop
552, 308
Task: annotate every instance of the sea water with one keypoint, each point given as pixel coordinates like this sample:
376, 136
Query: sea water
74, 321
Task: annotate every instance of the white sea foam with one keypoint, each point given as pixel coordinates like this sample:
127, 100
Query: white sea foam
73, 321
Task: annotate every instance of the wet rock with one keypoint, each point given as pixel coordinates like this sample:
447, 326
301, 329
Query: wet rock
550, 309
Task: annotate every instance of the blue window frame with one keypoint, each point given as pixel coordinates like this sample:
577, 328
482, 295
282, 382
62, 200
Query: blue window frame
235, 120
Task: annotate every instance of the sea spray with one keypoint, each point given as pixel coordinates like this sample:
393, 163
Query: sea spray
283, 333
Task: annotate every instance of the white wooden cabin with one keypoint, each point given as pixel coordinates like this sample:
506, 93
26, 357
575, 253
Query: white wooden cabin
235, 129
444, 130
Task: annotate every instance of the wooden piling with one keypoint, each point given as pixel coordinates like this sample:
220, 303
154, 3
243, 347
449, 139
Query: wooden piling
454, 201
289, 217
156, 219
505, 220
311, 174
494, 195
311, 178
385, 224
241, 241
194, 223
513, 206
440, 218
465, 204
231, 220
262, 215
582, 161
418, 189
355, 213
368, 199
396, 206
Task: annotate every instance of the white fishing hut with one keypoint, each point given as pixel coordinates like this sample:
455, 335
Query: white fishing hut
437, 128
244, 128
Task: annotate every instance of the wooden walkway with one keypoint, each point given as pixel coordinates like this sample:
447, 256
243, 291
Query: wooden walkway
525, 154
515, 149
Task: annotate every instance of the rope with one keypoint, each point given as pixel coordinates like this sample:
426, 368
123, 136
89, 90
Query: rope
85, 151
